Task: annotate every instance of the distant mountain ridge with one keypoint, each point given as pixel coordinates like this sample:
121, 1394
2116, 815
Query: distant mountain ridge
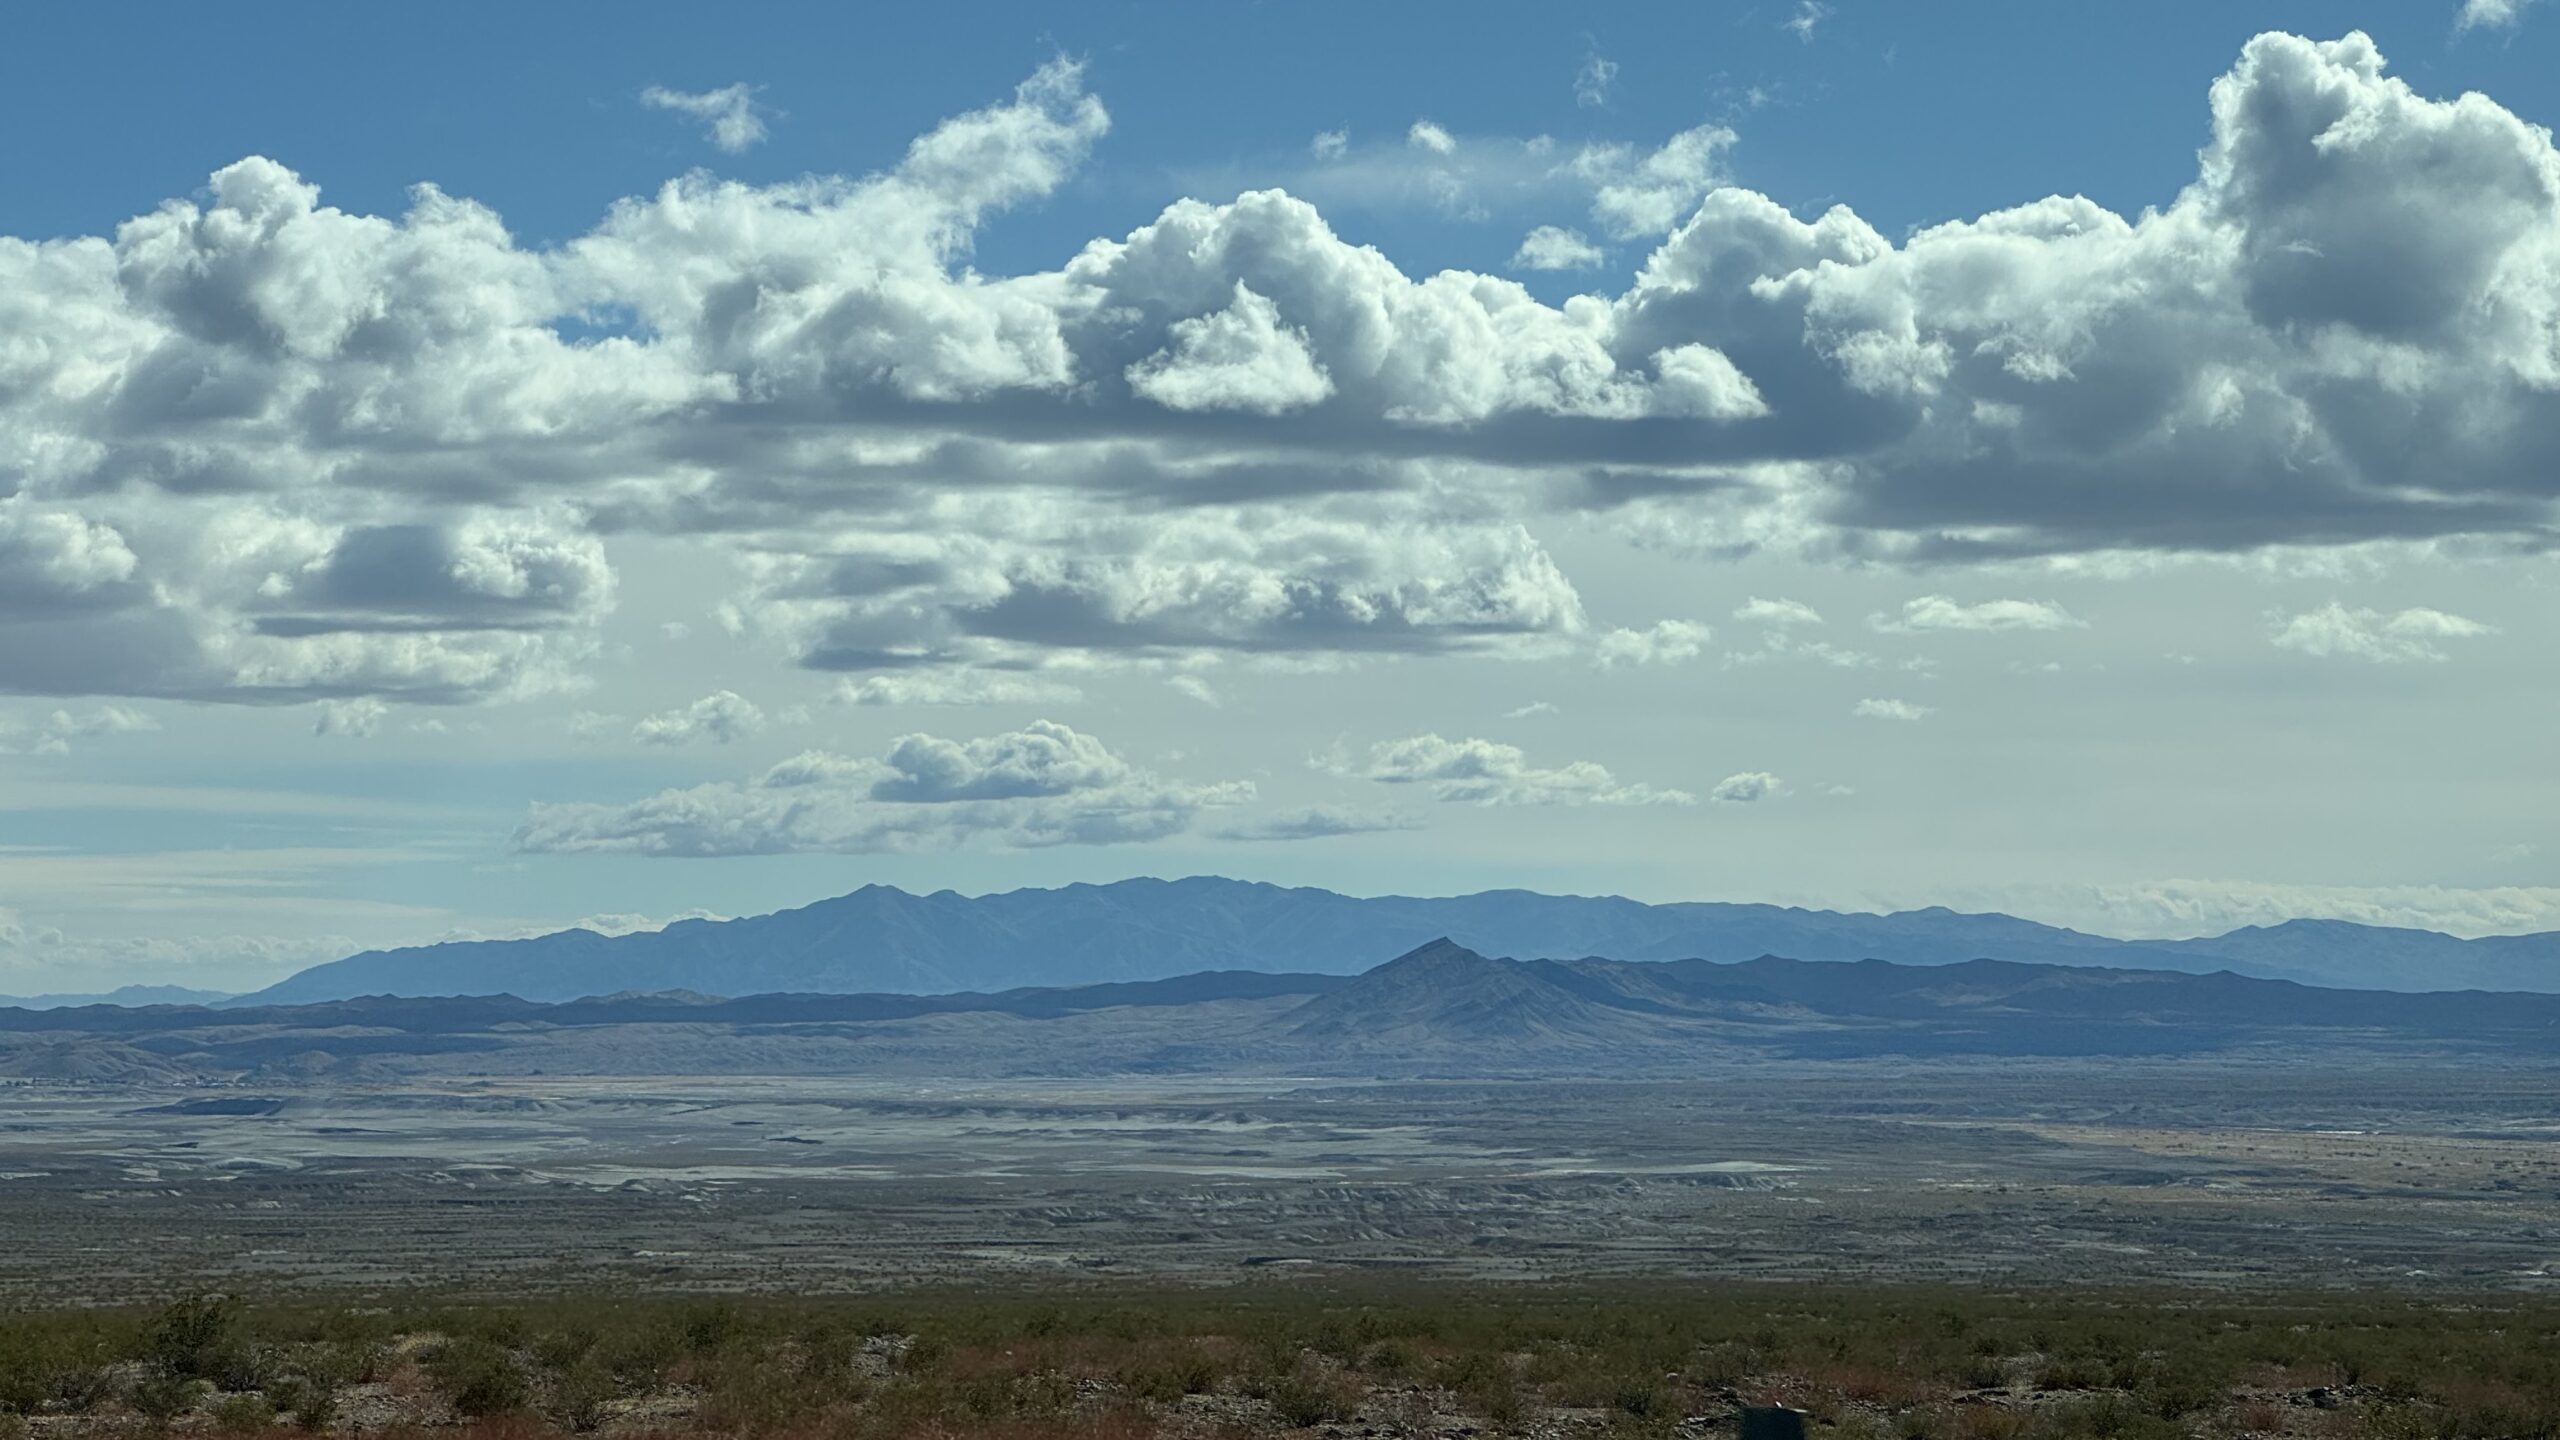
883, 939
121, 995
1441, 1009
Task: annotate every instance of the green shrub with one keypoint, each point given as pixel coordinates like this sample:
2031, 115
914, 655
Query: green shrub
160, 1397
1301, 1399
579, 1396
197, 1338
245, 1414
306, 1400
478, 1377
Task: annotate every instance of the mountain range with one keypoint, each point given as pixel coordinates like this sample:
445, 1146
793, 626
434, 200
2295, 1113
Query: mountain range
1441, 1009
121, 995
880, 939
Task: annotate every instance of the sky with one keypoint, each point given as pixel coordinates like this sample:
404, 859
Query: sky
471, 470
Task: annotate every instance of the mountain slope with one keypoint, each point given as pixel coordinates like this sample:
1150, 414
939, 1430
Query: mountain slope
881, 939
1439, 1010
1443, 1003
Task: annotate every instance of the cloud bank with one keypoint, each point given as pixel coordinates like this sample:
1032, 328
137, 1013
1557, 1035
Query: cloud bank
254, 448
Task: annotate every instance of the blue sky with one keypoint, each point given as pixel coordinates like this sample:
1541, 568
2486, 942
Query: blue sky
964, 516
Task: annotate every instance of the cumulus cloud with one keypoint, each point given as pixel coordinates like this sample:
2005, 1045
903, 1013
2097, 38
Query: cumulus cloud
1666, 642
1781, 612
1554, 247
958, 687
1486, 772
1316, 822
1251, 581
1747, 788
1891, 710
1241, 358
1939, 612
1043, 785
730, 115
1778, 646
259, 448
53, 734
2490, 14
2338, 632
357, 719
1808, 16
723, 716
1643, 195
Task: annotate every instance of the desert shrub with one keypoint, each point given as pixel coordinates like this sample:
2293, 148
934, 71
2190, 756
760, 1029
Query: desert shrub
2102, 1417
1723, 1364
559, 1349
1990, 1422
579, 1396
307, 1400
1165, 1376
2074, 1372
1484, 1384
83, 1388
197, 1338
160, 1397
706, 1328
752, 1393
478, 1377
640, 1356
1302, 1398
1641, 1399
1392, 1356
246, 1414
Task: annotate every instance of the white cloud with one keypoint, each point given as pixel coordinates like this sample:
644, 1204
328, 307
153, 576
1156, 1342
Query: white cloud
1938, 612
1591, 83
358, 719
2336, 631
723, 717
1042, 785
2490, 14
1809, 14
1194, 688
1891, 710
1649, 195
1531, 710
53, 733
1241, 358
1427, 136
1486, 772
1316, 822
264, 449
961, 687
1551, 247
1780, 645
1746, 788
730, 115
1329, 144
1665, 642
1782, 613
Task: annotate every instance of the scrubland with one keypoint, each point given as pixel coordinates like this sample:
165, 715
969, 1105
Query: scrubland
1289, 1358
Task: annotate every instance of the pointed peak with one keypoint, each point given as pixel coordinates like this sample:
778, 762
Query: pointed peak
1443, 951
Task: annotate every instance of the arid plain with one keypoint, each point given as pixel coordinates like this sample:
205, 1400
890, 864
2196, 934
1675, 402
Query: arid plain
2183, 1172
